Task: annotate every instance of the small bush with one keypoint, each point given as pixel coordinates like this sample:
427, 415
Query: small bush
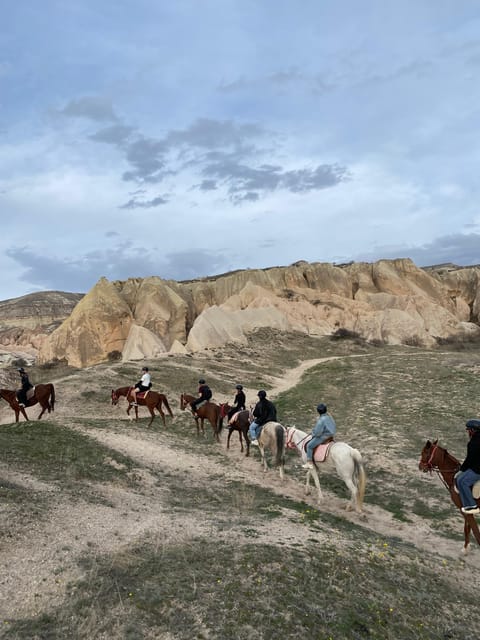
114, 356
345, 334
413, 341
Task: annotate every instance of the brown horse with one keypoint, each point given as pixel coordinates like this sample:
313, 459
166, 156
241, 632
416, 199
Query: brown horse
151, 399
240, 422
208, 411
44, 394
436, 458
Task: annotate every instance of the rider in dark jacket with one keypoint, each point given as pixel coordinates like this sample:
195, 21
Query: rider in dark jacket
204, 394
26, 385
265, 411
238, 402
470, 469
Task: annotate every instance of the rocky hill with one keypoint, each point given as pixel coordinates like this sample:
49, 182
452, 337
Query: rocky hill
389, 301
27, 321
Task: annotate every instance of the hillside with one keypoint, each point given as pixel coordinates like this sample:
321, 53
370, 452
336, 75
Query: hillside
114, 530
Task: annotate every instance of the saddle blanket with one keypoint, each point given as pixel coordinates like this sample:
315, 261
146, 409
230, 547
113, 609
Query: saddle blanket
321, 452
30, 393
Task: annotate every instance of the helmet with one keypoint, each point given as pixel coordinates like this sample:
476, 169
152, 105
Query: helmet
144, 368
201, 381
262, 394
21, 370
239, 387
473, 425
322, 408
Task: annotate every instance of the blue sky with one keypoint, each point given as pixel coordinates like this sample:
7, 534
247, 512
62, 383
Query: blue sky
189, 138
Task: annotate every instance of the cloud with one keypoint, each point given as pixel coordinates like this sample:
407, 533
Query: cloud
80, 273
117, 134
90, 107
460, 249
133, 203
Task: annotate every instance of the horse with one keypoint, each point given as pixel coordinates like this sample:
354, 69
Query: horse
208, 411
273, 437
151, 399
347, 461
436, 458
240, 422
44, 394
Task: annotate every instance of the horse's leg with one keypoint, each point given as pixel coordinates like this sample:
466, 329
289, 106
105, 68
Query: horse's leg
44, 407
263, 457
152, 414
313, 473
241, 440
230, 431
466, 533
247, 440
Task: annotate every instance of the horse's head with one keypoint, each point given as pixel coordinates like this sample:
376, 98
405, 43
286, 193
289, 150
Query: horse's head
429, 456
183, 401
224, 409
114, 397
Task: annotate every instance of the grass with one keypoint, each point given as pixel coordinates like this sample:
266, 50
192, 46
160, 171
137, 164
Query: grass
224, 590
55, 453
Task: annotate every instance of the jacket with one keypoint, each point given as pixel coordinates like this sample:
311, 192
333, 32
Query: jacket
324, 427
264, 412
239, 401
472, 461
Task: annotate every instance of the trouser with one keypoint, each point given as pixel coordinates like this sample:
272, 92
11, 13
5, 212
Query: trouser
254, 430
465, 481
314, 442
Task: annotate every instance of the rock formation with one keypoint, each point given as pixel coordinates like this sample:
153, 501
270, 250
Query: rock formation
391, 301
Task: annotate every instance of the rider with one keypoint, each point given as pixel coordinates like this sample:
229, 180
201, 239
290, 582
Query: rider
265, 411
26, 385
238, 402
204, 395
470, 469
144, 384
324, 429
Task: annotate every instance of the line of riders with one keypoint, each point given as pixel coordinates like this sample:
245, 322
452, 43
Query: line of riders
324, 430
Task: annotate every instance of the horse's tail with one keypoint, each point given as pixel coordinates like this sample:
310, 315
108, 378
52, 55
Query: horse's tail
280, 440
167, 406
52, 396
359, 476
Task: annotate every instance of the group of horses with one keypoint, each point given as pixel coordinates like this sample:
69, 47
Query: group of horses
274, 437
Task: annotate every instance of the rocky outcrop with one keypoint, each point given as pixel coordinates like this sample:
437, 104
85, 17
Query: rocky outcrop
26, 322
391, 301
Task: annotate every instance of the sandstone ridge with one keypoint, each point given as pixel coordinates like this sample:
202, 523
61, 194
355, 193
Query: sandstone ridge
391, 301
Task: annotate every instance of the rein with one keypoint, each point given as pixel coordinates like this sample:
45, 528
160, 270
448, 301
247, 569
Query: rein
289, 443
431, 466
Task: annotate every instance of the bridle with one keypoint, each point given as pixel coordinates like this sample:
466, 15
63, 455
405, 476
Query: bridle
290, 444
431, 466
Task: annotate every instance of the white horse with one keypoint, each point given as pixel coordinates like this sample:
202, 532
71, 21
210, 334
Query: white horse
347, 461
273, 437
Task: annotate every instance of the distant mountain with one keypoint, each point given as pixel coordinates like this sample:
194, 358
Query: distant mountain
25, 322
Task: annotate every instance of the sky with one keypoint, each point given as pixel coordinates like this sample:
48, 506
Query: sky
191, 138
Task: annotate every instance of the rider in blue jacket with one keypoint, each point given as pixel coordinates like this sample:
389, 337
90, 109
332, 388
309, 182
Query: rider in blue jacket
324, 429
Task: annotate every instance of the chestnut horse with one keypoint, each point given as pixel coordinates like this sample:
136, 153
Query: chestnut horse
240, 422
208, 411
44, 394
151, 399
436, 458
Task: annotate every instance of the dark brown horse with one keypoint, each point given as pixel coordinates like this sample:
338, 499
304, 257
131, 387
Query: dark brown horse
151, 399
208, 411
240, 422
44, 394
436, 458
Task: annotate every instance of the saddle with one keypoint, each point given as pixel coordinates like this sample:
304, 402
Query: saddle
320, 452
142, 394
